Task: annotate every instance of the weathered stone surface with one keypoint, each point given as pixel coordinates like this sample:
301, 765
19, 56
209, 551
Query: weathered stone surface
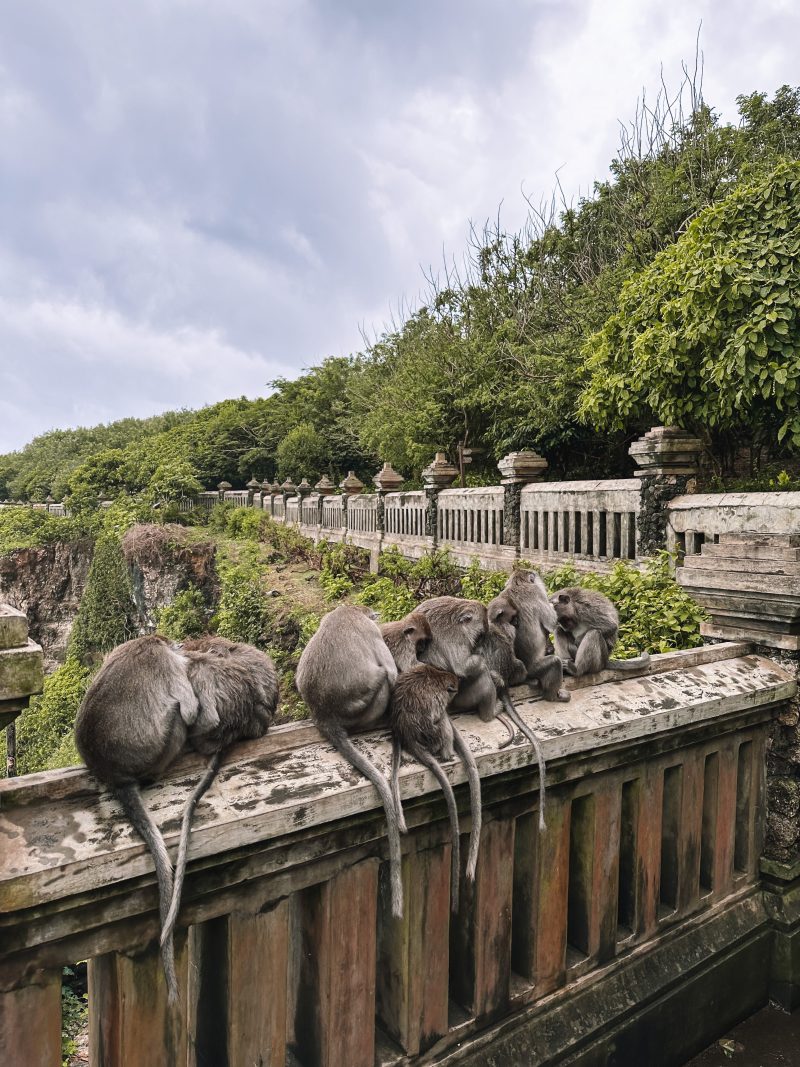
667, 450
13, 627
21, 671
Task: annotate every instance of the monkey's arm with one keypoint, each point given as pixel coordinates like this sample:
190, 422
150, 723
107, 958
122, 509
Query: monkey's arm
592, 653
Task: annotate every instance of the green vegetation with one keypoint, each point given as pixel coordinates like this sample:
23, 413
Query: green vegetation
74, 1013
707, 335
104, 617
44, 730
676, 277
25, 528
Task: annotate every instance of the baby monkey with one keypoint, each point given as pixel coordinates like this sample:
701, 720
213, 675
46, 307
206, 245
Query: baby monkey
587, 630
420, 725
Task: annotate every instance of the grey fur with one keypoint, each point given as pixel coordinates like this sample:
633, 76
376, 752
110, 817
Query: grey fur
421, 725
458, 629
587, 630
499, 652
345, 675
536, 620
407, 639
132, 724
237, 685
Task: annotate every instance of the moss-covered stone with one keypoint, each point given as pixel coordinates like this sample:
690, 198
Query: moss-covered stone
21, 671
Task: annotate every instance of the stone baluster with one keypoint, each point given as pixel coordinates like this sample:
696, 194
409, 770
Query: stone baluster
438, 475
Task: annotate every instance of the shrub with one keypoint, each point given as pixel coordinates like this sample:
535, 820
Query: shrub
45, 727
186, 616
105, 615
477, 584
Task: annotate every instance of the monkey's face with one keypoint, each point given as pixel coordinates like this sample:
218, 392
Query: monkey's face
503, 615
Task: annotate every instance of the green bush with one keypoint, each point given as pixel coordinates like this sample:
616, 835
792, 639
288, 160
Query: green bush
186, 616
26, 528
243, 610
477, 584
44, 730
74, 1013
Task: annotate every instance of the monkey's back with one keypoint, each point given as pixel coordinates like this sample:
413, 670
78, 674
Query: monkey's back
242, 683
594, 610
344, 664
134, 718
419, 704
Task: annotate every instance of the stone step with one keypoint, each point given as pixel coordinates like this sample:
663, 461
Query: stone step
748, 550
13, 627
734, 581
790, 568
791, 540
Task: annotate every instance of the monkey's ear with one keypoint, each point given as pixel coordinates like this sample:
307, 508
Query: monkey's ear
466, 616
563, 598
408, 630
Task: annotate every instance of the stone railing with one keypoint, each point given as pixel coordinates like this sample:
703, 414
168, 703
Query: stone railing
642, 899
585, 522
696, 519
21, 675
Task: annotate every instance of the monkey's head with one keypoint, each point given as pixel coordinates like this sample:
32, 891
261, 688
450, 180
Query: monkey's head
417, 631
526, 584
568, 608
473, 618
447, 681
502, 611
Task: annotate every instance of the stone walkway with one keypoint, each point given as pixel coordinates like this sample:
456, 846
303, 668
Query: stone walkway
770, 1038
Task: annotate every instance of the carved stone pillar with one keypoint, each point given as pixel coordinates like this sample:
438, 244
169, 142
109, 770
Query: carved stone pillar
518, 469
438, 475
668, 458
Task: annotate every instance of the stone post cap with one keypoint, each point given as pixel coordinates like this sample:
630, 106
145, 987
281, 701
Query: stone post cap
325, 485
266, 486
275, 487
288, 486
21, 660
254, 485
387, 479
304, 488
49, 499
440, 474
524, 466
351, 485
224, 486
666, 450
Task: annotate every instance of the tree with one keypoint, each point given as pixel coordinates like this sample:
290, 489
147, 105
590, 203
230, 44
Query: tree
302, 454
707, 336
173, 480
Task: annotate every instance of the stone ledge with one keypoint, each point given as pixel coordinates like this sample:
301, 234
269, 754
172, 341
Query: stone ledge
13, 627
21, 671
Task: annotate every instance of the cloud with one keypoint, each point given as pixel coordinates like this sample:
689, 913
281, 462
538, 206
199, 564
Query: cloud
197, 197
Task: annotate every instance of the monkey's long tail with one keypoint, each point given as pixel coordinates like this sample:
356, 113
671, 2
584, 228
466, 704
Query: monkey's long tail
515, 717
338, 737
463, 749
433, 765
629, 664
168, 925
130, 798
396, 756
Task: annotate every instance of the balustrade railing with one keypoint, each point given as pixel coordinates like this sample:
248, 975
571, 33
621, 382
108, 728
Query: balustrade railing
590, 523
286, 948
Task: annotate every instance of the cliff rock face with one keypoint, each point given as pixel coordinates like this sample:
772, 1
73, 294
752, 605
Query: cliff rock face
162, 562
47, 583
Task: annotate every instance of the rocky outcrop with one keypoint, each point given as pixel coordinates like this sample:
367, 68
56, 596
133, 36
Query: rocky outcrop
47, 583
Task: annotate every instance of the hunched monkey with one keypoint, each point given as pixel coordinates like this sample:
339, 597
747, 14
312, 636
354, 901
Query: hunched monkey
345, 675
420, 724
132, 723
536, 620
407, 639
498, 650
587, 630
237, 685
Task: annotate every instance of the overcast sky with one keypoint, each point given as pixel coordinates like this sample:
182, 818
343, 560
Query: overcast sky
199, 196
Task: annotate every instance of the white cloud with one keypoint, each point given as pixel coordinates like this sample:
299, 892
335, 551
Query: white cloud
198, 197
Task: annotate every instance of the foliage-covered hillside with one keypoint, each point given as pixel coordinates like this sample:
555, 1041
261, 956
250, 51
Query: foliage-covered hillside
553, 337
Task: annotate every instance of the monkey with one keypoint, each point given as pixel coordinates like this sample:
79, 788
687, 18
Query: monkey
420, 724
498, 651
345, 675
458, 629
536, 620
238, 685
131, 725
407, 639
587, 630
